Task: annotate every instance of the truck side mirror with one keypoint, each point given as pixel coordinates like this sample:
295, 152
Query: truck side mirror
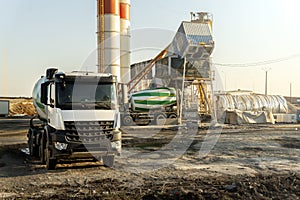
50, 72
44, 93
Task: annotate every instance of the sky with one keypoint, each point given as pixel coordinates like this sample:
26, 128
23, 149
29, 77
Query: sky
37, 34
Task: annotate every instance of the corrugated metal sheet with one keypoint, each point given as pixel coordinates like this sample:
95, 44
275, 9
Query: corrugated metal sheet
196, 39
191, 28
197, 32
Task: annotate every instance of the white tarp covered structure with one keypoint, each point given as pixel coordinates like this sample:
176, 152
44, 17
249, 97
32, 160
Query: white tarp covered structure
249, 107
249, 117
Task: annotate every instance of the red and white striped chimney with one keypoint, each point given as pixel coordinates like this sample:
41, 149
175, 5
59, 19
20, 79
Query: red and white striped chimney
109, 37
125, 40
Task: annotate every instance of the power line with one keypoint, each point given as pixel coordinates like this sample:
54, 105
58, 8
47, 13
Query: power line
255, 64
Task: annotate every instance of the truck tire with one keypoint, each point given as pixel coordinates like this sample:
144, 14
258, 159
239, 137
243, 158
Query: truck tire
160, 119
108, 161
127, 120
172, 116
42, 151
33, 148
50, 162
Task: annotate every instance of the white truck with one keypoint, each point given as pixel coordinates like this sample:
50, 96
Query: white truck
78, 118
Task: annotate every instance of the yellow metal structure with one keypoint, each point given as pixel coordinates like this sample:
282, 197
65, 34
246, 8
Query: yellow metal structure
135, 80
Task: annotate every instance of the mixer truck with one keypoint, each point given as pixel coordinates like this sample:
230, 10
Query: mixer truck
77, 118
153, 105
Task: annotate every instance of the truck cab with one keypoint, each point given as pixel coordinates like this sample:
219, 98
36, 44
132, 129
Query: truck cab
79, 118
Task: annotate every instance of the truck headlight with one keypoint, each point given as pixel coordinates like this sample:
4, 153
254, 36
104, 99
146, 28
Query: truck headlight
117, 145
117, 135
60, 146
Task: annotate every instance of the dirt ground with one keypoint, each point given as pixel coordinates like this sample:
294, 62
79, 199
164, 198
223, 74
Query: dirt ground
245, 162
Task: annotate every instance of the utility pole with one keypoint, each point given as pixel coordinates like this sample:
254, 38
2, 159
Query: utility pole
4, 73
266, 84
266, 79
290, 92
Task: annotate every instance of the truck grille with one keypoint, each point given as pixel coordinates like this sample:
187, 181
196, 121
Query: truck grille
88, 131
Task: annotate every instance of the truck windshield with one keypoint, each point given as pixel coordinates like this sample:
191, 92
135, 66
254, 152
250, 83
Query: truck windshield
86, 95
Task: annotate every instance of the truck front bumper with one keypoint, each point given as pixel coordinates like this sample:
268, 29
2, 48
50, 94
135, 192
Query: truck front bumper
62, 147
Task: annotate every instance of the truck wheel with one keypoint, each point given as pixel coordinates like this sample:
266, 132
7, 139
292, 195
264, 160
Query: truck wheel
127, 120
108, 161
50, 163
172, 116
160, 119
42, 151
33, 149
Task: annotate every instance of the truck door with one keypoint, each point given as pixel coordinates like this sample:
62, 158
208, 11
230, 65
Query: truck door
54, 114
